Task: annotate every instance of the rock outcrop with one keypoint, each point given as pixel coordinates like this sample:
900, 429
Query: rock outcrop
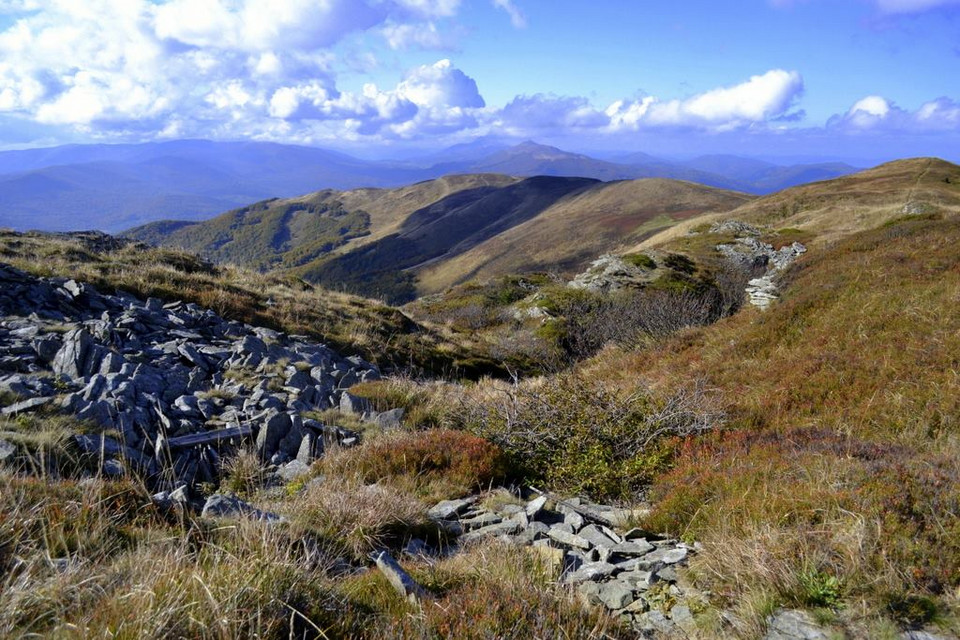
172, 383
749, 253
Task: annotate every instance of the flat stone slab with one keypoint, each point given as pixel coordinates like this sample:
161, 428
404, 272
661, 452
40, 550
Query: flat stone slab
634, 548
448, 509
26, 405
592, 571
793, 624
509, 527
569, 539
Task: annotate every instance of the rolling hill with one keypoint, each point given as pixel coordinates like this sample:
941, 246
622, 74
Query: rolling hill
399, 243
828, 210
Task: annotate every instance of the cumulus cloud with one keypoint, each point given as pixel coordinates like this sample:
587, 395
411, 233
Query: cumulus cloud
218, 67
876, 113
761, 98
528, 114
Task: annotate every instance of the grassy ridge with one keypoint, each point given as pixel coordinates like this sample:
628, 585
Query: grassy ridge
836, 483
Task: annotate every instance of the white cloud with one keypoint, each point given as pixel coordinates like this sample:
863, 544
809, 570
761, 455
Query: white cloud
760, 99
208, 67
440, 85
517, 18
409, 36
527, 115
876, 113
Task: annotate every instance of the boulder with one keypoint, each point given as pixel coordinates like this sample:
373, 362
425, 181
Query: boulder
8, 451
399, 579
273, 427
228, 506
354, 405
616, 594
793, 624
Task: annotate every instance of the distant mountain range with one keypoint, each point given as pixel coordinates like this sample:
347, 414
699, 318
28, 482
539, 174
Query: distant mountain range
116, 187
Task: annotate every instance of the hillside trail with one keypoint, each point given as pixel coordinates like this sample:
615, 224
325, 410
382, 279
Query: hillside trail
916, 185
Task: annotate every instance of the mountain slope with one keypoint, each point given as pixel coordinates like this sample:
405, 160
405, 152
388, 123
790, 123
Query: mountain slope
292, 232
577, 229
446, 228
427, 236
831, 209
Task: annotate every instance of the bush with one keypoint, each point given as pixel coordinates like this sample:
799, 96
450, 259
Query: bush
582, 437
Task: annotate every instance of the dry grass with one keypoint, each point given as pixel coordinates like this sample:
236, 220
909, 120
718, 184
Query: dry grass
433, 465
361, 517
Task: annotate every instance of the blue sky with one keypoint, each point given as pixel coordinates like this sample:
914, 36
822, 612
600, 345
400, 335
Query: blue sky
851, 79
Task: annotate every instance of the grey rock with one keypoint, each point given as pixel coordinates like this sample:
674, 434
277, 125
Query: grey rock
188, 405
656, 622
273, 427
310, 448
404, 584
667, 555
72, 357
616, 595
569, 539
25, 406
448, 509
793, 624
353, 405
113, 468
226, 506
535, 506
574, 519
634, 548
669, 574
484, 519
416, 547
682, 617
592, 534
639, 580
390, 419
293, 470
589, 593
7, 451
507, 527
594, 571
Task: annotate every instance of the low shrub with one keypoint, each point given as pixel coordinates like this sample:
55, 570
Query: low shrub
582, 437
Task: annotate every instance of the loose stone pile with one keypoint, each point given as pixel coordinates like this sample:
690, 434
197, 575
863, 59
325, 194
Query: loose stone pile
750, 253
630, 572
175, 383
